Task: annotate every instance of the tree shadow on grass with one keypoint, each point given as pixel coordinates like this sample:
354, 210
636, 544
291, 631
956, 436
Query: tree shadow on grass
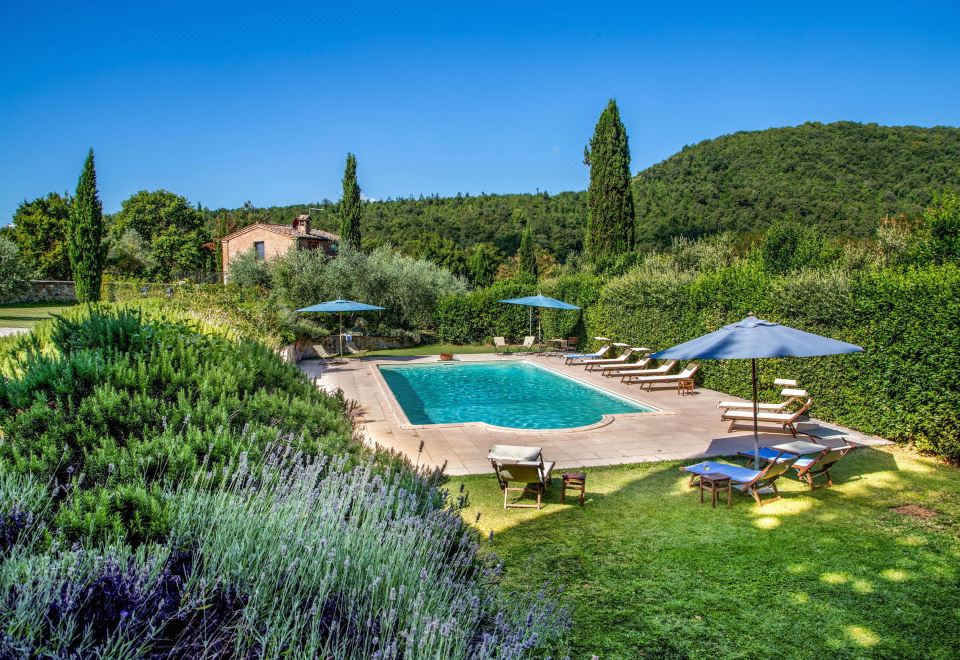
650, 572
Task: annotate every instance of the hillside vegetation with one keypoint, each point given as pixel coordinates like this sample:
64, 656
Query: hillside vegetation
842, 177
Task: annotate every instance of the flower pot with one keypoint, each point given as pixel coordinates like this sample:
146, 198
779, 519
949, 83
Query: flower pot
446, 357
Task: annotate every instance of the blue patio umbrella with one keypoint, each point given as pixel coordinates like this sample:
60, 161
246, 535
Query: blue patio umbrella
754, 338
538, 301
340, 306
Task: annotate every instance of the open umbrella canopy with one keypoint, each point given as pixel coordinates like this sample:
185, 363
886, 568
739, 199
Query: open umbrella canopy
756, 338
340, 305
540, 301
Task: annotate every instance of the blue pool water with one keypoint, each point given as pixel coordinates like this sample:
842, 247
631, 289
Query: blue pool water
517, 395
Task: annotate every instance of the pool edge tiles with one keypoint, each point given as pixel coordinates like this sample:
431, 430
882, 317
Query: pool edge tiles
559, 402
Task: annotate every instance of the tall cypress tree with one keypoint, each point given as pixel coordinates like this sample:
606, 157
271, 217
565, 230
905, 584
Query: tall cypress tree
527, 257
85, 233
350, 206
610, 217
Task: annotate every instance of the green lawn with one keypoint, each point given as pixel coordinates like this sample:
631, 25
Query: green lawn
433, 349
27, 315
647, 571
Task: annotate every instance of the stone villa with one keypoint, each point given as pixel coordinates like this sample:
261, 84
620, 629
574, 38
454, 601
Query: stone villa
269, 241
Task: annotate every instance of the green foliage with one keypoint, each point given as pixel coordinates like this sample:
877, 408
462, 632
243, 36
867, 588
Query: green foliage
128, 402
482, 262
85, 235
13, 269
407, 288
477, 316
942, 222
159, 236
788, 247
442, 251
467, 220
610, 218
841, 178
351, 208
526, 256
40, 230
246, 270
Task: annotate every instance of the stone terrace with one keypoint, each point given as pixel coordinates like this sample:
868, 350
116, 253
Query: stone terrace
686, 426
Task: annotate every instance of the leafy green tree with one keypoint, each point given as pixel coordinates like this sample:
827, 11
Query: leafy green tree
175, 255
85, 235
351, 208
40, 231
482, 264
788, 246
610, 216
527, 257
942, 221
153, 212
442, 251
13, 269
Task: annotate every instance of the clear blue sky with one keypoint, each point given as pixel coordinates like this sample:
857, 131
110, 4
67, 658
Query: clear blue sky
225, 103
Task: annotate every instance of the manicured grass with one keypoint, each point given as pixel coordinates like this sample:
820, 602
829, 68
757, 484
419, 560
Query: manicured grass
647, 571
27, 315
433, 349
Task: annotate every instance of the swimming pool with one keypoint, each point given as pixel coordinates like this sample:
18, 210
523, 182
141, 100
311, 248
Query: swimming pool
518, 395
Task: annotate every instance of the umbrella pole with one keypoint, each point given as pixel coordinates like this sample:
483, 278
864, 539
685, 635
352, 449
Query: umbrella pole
530, 320
341, 343
756, 410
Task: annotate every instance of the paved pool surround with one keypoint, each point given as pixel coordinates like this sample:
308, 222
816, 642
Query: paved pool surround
682, 427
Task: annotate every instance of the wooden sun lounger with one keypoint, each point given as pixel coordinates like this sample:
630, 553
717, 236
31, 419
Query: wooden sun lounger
650, 381
575, 358
354, 350
608, 369
786, 420
658, 371
620, 360
792, 396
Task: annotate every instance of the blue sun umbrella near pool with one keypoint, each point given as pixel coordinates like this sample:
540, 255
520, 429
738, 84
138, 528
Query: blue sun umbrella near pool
538, 301
340, 306
754, 338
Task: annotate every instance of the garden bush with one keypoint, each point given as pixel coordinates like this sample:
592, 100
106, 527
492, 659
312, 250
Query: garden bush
478, 316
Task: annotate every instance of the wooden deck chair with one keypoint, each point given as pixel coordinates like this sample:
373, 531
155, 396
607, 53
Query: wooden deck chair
500, 346
323, 354
354, 350
609, 369
628, 373
791, 395
527, 344
523, 465
787, 421
749, 482
809, 468
649, 381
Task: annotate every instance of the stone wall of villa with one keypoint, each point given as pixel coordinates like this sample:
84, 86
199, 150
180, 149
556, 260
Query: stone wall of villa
42, 291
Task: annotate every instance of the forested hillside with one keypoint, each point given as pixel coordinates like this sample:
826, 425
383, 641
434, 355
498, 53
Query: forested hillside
557, 221
842, 177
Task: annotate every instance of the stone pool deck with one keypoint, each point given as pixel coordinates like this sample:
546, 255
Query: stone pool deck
685, 426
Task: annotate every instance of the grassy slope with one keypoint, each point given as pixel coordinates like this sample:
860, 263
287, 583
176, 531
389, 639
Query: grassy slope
648, 571
27, 315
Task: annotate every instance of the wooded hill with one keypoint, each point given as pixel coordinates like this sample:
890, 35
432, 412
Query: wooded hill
842, 177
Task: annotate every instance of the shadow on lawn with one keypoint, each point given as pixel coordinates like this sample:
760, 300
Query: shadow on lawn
649, 571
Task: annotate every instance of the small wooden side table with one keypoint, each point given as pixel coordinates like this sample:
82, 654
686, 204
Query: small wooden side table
574, 481
716, 483
685, 386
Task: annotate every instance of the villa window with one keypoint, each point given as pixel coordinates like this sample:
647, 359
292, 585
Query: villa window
258, 247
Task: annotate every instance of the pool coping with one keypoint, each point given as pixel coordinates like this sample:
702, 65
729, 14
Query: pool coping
605, 420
